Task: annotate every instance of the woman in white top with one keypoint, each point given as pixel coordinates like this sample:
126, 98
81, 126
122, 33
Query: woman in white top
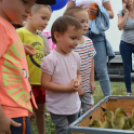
98, 41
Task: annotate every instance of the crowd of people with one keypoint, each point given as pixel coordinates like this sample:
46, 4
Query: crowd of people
31, 75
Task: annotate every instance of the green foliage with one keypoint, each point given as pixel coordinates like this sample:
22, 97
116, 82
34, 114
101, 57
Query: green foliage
117, 88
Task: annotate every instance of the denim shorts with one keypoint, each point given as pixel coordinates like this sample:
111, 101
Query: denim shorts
25, 127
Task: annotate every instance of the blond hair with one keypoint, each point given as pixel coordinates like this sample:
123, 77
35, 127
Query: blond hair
35, 8
72, 10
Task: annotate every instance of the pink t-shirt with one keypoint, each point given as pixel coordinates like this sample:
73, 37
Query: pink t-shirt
63, 70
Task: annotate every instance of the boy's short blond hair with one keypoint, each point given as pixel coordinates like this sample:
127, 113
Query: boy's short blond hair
72, 10
36, 7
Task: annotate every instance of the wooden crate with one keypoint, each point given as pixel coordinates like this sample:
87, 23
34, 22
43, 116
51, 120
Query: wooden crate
80, 126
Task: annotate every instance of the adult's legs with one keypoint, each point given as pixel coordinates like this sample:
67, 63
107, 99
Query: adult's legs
101, 66
126, 54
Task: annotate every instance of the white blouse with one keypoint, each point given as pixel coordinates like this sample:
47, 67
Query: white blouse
87, 3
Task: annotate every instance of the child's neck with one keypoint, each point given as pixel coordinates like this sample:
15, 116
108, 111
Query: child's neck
2, 14
57, 49
81, 40
30, 28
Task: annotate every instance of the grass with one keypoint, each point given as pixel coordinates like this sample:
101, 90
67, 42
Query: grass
117, 88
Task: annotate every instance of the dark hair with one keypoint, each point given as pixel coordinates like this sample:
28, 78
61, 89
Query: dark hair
72, 10
17, 26
62, 23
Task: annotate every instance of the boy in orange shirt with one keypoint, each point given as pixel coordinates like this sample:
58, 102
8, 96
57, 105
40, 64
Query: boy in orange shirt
15, 89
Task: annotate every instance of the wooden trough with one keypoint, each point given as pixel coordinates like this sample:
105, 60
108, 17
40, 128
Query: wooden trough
80, 126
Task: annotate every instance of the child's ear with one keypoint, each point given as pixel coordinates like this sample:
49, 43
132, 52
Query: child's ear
57, 36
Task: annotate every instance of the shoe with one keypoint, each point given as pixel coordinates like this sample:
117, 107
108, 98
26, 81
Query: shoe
129, 94
47, 114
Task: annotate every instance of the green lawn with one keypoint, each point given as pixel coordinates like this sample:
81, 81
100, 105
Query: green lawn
117, 88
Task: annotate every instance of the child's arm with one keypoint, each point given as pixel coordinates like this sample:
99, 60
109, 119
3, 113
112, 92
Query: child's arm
6, 122
92, 84
79, 79
81, 91
48, 85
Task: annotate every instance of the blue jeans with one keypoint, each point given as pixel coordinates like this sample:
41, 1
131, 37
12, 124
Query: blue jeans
126, 51
100, 60
25, 127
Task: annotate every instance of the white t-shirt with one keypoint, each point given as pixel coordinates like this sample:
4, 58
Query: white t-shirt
87, 3
63, 70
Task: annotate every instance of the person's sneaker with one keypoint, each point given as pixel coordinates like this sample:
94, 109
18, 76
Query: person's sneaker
129, 94
47, 114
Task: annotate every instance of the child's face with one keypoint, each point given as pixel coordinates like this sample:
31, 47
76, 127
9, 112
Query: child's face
41, 18
82, 17
69, 40
15, 11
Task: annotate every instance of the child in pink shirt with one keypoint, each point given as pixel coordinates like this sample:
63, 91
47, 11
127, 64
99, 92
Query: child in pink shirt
61, 73
51, 44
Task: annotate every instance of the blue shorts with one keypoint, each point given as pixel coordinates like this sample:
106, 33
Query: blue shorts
25, 127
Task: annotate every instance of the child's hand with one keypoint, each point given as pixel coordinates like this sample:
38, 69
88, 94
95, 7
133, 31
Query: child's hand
81, 91
93, 86
76, 83
5, 124
29, 49
73, 86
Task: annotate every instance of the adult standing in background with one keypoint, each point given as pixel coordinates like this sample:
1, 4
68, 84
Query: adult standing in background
98, 41
126, 24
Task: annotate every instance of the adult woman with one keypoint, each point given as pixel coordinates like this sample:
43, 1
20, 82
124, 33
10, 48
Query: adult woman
126, 23
98, 42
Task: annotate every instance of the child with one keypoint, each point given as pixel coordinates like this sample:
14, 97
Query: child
45, 40
51, 44
37, 20
61, 75
15, 89
86, 51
